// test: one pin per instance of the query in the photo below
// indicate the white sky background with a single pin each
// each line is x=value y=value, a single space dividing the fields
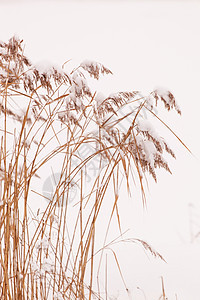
x=146 y=44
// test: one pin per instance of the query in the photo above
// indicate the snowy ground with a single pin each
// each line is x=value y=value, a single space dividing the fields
x=145 y=44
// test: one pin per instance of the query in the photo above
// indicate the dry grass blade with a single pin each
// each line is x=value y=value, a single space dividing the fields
x=48 y=245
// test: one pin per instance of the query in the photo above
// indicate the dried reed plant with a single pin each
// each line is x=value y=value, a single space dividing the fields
x=49 y=254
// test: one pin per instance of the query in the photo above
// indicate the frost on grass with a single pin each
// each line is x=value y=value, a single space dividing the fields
x=167 y=98
x=95 y=69
x=76 y=100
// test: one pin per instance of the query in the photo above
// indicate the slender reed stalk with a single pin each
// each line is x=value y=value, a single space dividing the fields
x=49 y=238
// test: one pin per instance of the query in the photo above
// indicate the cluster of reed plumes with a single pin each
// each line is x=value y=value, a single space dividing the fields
x=49 y=115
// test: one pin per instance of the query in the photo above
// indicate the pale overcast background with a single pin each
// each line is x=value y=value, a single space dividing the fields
x=146 y=44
